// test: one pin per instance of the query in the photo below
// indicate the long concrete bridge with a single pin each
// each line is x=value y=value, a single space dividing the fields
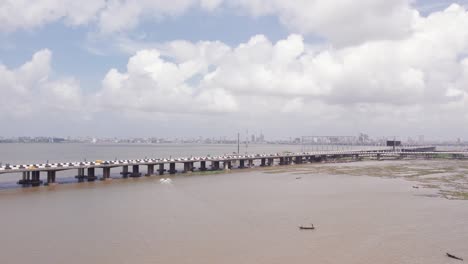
x=31 y=173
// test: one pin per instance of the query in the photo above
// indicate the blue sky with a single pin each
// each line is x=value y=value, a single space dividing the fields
x=81 y=52
x=71 y=45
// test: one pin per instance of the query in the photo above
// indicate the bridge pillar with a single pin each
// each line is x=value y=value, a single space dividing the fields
x=202 y=165
x=91 y=174
x=378 y=156
x=187 y=167
x=226 y=165
x=281 y=161
x=50 y=177
x=125 y=172
x=36 y=178
x=81 y=175
x=241 y=164
x=215 y=165
x=270 y=162
x=172 y=169
x=262 y=162
x=298 y=160
x=150 y=170
x=26 y=179
x=135 y=171
x=161 y=169
x=251 y=163
x=106 y=173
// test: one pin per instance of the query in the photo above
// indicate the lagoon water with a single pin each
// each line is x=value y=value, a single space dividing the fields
x=249 y=216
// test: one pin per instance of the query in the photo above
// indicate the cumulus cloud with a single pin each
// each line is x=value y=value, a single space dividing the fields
x=425 y=70
x=110 y=15
x=408 y=80
x=152 y=84
x=24 y=14
x=342 y=21
x=29 y=90
x=339 y=21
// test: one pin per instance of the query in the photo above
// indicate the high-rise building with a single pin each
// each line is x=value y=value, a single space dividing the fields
x=421 y=139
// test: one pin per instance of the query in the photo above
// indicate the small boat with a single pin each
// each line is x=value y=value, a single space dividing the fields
x=453 y=256
x=311 y=227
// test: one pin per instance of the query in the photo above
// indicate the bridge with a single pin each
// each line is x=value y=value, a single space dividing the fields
x=31 y=173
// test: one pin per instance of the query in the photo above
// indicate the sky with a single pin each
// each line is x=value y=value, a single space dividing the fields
x=190 y=68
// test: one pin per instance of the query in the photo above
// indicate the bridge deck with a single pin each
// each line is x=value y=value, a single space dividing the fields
x=120 y=163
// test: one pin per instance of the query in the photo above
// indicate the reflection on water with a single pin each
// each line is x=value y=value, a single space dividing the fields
x=221 y=219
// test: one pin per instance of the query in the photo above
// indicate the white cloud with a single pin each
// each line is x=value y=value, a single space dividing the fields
x=421 y=73
x=28 y=90
x=390 y=82
x=152 y=84
x=341 y=21
x=24 y=14
x=110 y=15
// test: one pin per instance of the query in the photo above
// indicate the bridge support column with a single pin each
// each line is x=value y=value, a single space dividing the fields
x=125 y=172
x=135 y=171
x=91 y=174
x=202 y=165
x=50 y=177
x=298 y=160
x=36 y=178
x=187 y=167
x=378 y=156
x=281 y=161
x=172 y=169
x=106 y=173
x=30 y=178
x=25 y=177
x=150 y=171
x=251 y=163
x=226 y=165
x=241 y=164
x=262 y=162
x=270 y=162
x=215 y=165
x=81 y=175
x=161 y=169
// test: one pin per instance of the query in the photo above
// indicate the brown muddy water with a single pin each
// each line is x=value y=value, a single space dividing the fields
x=246 y=217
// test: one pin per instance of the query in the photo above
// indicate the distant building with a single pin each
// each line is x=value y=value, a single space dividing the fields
x=261 y=138
x=393 y=143
x=421 y=139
